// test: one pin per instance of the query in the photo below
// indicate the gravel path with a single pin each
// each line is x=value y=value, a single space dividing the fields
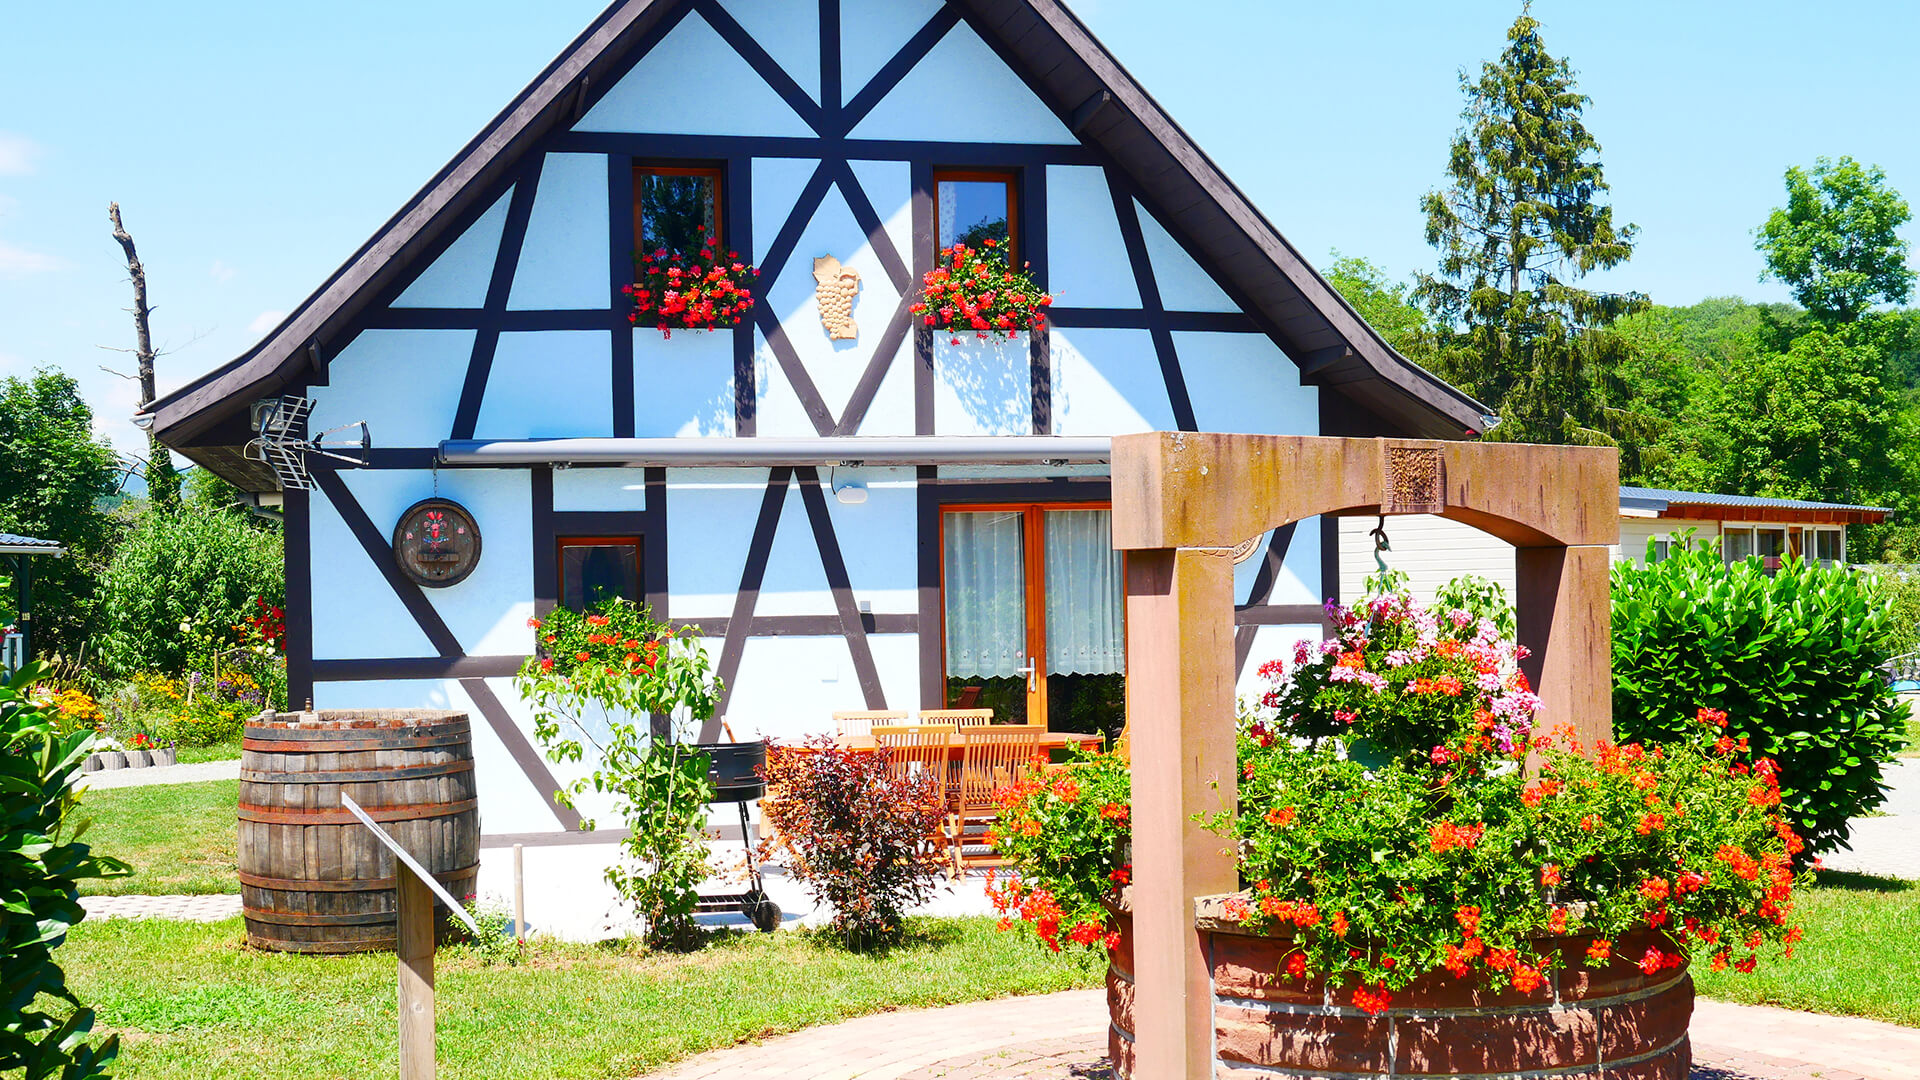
x=161 y=774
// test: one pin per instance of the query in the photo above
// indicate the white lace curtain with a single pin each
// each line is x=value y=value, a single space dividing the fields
x=986 y=591
x=986 y=624
x=1086 y=608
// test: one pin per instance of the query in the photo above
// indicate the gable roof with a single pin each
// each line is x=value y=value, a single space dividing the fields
x=1667 y=503
x=1045 y=44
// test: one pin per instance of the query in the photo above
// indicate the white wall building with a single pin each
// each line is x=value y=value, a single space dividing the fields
x=1432 y=551
x=730 y=479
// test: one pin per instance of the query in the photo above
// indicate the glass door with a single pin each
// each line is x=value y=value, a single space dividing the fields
x=1034 y=615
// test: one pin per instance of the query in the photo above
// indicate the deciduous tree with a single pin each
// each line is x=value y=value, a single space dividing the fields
x=53 y=472
x=1836 y=243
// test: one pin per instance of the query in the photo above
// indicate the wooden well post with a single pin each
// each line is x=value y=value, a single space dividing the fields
x=414 y=942
x=1181 y=502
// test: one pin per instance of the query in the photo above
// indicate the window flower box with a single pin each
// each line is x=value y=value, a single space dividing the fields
x=707 y=289
x=975 y=291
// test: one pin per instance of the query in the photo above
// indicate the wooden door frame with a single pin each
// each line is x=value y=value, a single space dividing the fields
x=1033 y=557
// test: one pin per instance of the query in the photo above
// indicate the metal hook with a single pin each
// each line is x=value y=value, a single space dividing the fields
x=1380 y=544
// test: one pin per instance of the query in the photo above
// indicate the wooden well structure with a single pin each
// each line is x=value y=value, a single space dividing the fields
x=1181 y=502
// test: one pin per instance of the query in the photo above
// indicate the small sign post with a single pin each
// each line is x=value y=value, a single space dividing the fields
x=415 y=890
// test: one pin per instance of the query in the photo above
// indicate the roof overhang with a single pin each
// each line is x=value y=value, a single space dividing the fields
x=1334 y=348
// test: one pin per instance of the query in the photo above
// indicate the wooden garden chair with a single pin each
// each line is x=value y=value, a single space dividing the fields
x=962 y=718
x=990 y=759
x=922 y=750
x=861 y=723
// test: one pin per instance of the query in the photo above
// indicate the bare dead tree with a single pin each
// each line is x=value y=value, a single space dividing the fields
x=163 y=483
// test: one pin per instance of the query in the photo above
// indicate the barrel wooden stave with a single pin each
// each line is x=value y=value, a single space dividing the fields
x=312 y=878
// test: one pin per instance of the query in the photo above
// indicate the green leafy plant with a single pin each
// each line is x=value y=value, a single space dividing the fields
x=597 y=680
x=1791 y=656
x=1068 y=830
x=499 y=942
x=855 y=834
x=202 y=568
x=1440 y=835
x=42 y=863
x=1475 y=865
x=1480 y=598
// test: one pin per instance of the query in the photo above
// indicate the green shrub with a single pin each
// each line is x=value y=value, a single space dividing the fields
x=1791 y=658
x=41 y=866
x=194 y=567
x=1899 y=586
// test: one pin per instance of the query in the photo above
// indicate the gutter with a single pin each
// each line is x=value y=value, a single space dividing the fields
x=833 y=450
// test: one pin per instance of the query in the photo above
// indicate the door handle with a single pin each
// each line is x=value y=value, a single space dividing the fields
x=1029 y=671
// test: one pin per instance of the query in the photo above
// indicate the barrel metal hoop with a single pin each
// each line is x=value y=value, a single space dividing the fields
x=260 y=881
x=301 y=918
x=358 y=776
x=346 y=746
x=335 y=816
x=376 y=943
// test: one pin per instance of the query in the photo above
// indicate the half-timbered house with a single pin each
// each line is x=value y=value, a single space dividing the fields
x=874 y=520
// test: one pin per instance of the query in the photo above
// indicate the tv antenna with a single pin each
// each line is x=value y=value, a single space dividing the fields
x=281 y=443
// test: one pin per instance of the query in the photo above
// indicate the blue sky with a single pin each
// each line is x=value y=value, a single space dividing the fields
x=252 y=146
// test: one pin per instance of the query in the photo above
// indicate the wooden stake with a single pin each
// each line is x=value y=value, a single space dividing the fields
x=519 y=893
x=413 y=940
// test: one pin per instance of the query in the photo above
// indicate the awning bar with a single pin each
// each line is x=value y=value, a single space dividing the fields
x=830 y=450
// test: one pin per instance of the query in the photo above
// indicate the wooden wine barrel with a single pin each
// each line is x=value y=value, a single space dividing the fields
x=313 y=879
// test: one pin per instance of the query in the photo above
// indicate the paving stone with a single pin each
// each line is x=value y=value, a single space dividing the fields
x=186 y=908
x=1063 y=1037
x=161 y=774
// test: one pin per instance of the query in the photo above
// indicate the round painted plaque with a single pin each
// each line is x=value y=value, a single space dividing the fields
x=436 y=543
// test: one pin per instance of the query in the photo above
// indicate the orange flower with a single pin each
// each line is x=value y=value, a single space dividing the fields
x=1280 y=816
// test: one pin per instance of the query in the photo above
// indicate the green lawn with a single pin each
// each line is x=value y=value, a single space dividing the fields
x=1913 y=737
x=226 y=751
x=190 y=1001
x=1859 y=957
x=179 y=838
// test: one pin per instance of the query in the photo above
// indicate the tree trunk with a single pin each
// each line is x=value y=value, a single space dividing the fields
x=163 y=483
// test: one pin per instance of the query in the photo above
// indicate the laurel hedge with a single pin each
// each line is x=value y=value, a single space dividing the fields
x=1791 y=655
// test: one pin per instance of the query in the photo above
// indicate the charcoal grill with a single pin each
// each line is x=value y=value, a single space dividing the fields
x=735 y=772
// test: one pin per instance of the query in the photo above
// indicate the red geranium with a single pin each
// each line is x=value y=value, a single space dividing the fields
x=702 y=290
x=975 y=290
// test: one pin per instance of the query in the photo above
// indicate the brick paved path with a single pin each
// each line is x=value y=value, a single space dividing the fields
x=190 y=908
x=1063 y=1037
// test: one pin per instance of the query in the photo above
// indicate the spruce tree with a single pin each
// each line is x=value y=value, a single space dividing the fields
x=1519 y=222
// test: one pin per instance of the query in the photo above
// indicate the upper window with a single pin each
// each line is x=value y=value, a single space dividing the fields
x=595 y=568
x=971 y=206
x=675 y=207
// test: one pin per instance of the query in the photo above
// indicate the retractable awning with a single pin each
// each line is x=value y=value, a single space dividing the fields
x=839 y=450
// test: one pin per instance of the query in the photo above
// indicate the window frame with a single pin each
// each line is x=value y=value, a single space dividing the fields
x=562 y=542
x=1034 y=576
x=715 y=171
x=975 y=174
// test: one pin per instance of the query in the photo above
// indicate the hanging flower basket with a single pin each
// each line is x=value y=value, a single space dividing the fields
x=706 y=289
x=974 y=290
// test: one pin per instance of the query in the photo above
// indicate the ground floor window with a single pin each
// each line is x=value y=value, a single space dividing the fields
x=1034 y=615
x=594 y=568
x=1828 y=545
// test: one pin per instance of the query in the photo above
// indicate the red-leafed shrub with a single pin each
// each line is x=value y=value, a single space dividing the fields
x=699 y=290
x=974 y=290
x=854 y=834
